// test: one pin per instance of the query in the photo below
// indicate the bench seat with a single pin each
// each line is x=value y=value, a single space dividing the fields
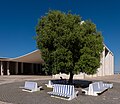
x=59 y=94
x=96 y=88
x=50 y=84
x=66 y=92
x=31 y=87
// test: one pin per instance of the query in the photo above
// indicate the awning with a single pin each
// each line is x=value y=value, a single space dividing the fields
x=32 y=57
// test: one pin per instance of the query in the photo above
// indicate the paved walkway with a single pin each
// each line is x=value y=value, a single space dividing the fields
x=19 y=78
x=110 y=78
x=11 y=94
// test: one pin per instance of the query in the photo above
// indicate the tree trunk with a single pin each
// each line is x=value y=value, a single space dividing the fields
x=70 y=81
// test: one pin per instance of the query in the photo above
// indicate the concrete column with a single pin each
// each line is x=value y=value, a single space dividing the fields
x=2 y=68
x=109 y=69
x=107 y=64
x=8 y=70
x=103 y=63
x=22 y=67
x=112 y=64
x=16 y=69
x=99 y=70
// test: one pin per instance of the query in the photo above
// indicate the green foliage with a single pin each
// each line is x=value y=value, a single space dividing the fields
x=68 y=46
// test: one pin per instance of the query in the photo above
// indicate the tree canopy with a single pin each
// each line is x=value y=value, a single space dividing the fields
x=68 y=44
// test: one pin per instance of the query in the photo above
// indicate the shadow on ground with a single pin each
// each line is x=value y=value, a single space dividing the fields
x=76 y=83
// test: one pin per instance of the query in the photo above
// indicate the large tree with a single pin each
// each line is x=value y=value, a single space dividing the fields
x=68 y=44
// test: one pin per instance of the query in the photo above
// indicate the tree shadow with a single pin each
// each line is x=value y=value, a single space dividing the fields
x=76 y=83
x=81 y=83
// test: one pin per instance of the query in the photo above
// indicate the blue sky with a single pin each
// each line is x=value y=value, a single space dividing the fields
x=18 y=19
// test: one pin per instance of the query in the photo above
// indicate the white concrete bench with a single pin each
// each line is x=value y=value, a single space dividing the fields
x=50 y=84
x=66 y=92
x=31 y=87
x=108 y=85
x=96 y=88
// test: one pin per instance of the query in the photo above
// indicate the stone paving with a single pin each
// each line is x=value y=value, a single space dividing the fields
x=10 y=93
x=111 y=78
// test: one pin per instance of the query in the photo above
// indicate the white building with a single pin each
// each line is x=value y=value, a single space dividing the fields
x=106 y=68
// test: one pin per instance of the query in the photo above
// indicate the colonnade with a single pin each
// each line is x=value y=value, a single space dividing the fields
x=5 y=70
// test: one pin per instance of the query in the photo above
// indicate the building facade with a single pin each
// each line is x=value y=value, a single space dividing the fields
x=29 y=64
x=106 y=67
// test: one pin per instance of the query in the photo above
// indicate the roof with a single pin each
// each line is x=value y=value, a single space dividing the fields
x=32 y=57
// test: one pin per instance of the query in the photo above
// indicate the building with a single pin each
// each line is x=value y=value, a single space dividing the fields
x=27 y=64
x=30 y=64
x=106 y=68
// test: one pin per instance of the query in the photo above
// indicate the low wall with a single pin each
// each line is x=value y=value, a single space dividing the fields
x=76 y=76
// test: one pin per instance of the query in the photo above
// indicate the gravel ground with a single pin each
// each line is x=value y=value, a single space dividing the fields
x=12 y=94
